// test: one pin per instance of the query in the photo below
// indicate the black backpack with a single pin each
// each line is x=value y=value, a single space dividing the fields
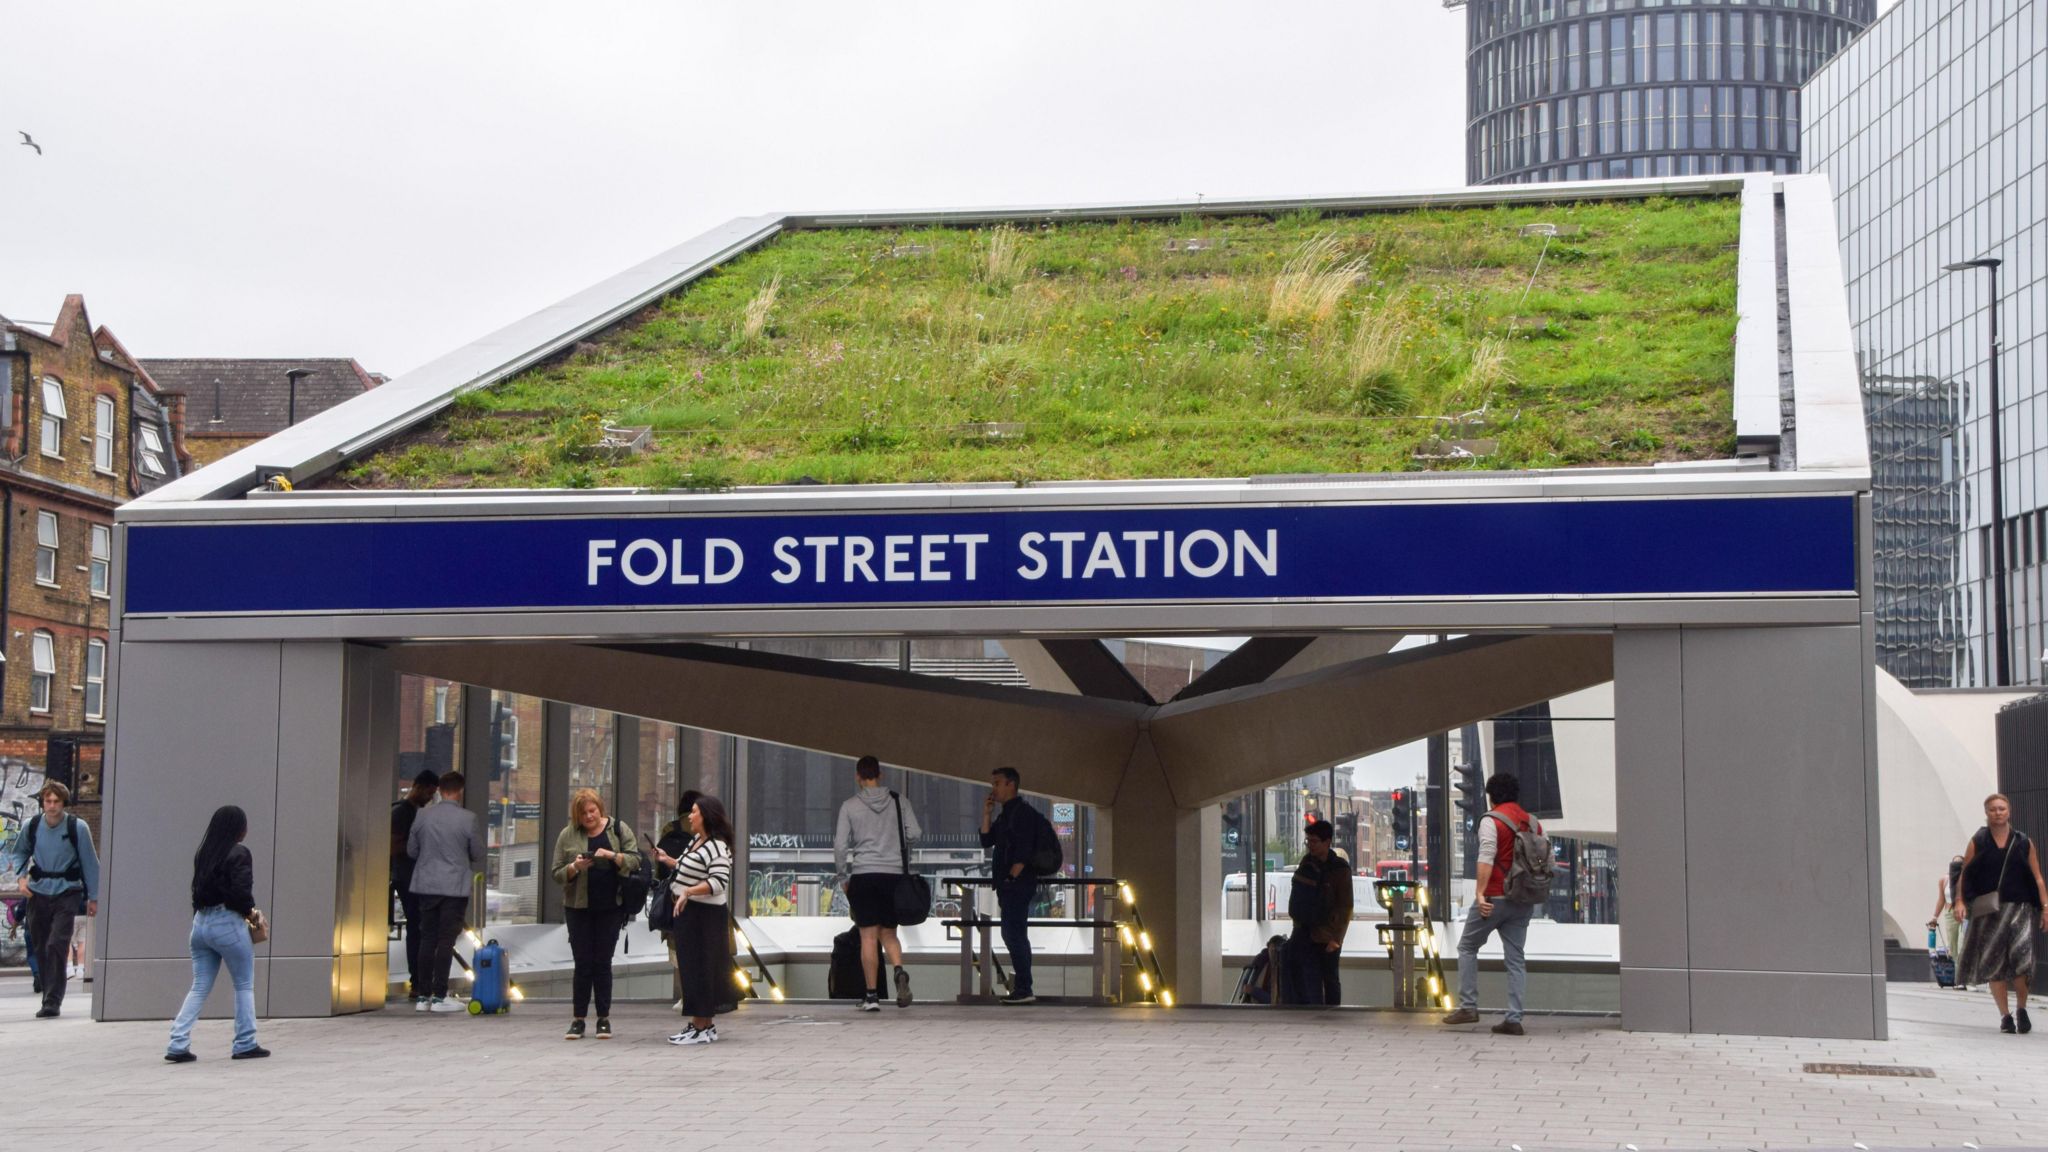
x=635 y=886
x=1046 y=857
x=76 y=871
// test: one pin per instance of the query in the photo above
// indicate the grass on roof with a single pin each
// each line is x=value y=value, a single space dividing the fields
x=1199 y=347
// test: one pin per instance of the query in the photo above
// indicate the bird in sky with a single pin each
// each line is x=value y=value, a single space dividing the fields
x=31 y=142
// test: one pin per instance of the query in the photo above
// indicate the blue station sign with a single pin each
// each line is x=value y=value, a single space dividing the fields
x=1788 y=545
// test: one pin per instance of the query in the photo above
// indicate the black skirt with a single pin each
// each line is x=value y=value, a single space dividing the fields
x=704 y=953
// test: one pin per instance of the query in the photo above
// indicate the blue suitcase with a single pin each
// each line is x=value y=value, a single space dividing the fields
x=490 y=988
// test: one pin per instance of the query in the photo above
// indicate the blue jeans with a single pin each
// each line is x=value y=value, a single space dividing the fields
x=1511 y=920
x=219 y=936
x=1013 y=899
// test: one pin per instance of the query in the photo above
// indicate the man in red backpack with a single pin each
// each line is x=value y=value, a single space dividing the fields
x=1500 y=906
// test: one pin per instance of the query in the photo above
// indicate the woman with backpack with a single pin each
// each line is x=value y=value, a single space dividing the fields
x=594 y=858
x=224 y=918
x=703 y=938
x=673 y=842
x=2001 y=897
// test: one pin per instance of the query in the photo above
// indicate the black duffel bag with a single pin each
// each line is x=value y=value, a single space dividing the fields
x=912 y=894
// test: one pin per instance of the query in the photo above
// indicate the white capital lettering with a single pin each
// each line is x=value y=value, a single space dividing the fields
x=676 y=574
x=858 y=550
x=713 y=574
x=1140 y=539
x=819 y=545
x=930 y=556
x=786 y=556
x=1268 y=561
x=1067 y=541
x=1187 y=553
x=973 y=541
x=636 y=548
x=1103 y=555
x=896 y=559
x=1028 y=544
x=599 y=557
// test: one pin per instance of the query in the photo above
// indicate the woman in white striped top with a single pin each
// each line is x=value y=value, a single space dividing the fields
x=703 y=944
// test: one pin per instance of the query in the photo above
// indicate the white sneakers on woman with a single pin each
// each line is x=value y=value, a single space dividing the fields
x=691 y=1034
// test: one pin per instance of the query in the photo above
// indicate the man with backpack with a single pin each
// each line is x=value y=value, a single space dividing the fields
x=1515 y=871
x=1025 y=849
x=59 y=874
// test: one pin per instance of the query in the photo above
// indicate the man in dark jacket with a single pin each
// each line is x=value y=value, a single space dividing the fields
x=424 y=786
x=1320 y=906
x=1009 y=827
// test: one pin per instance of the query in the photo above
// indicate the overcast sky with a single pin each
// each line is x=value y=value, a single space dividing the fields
x=389 y=181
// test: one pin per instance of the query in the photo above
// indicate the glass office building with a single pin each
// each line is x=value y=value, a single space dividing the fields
x=1933 y=127
x=1601 y=89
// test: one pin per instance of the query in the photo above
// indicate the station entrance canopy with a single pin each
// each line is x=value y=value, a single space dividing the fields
x=260 y=635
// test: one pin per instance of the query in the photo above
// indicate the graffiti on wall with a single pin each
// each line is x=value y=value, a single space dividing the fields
x=19 y=783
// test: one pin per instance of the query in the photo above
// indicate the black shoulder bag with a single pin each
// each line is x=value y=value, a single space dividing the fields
x=913 y=893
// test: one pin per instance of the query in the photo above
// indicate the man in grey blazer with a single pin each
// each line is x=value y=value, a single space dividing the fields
x=447 y=849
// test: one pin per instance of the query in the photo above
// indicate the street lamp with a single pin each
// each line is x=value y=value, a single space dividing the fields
x=291 y=410
x=1990 y=264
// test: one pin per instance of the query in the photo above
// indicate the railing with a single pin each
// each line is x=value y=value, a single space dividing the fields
x=1108 y=937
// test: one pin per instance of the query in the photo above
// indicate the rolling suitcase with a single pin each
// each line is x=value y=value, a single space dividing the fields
x=490 y=986
x=1943 y=964
x=845 y=980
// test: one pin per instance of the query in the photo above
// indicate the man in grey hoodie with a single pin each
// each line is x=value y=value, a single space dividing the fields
x=868 y=854
x=447 y=848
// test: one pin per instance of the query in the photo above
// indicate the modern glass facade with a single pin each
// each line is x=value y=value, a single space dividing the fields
x=1601 y=89
x=1933 y=127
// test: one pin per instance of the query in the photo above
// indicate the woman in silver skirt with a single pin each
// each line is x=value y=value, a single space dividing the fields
x=2001 y=894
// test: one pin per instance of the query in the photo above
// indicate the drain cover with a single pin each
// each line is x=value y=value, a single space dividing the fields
x=1905 y=1070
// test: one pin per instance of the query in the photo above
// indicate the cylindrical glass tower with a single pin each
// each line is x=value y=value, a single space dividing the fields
x=1599 y=89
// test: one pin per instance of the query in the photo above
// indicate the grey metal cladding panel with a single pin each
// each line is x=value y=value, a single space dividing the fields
x=198 y=730
x=1777 y=833
x=370 y=750
x=155 y=989
x=1649 y=794
x=1815 y=1004
x=1655 y=999
x=390 y=408
x=309 y=739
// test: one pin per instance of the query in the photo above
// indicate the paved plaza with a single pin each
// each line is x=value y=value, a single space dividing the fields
x=942 y=1076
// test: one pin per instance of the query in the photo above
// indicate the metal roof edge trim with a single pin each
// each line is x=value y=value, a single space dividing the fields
x=334 y=436
x=1827 y=382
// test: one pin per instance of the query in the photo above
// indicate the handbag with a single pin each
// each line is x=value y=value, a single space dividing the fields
x=259 y=926
x=913 y=893
x=1989 y=903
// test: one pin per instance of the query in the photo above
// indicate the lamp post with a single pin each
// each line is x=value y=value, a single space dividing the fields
x=291 y=409
x=2003 y=656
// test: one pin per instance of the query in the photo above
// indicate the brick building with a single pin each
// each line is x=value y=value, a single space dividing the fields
x=83 y=429
x=235 y=403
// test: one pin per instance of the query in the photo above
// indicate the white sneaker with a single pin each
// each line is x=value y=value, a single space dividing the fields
x=421 y=1004
x=75 y=971
x=676 y=1007
x=695 y=1036
x=449 y=1004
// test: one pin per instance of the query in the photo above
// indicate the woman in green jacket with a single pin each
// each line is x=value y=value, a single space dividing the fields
x=593 y=856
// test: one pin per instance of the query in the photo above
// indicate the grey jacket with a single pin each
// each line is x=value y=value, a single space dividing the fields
x=866 y=839
x=447 y=848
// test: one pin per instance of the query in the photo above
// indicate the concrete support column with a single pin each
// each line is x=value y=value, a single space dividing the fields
x=1169 y=856
x=1745 y=801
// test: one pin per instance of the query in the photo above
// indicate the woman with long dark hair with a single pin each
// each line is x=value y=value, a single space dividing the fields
x=674 y=840
x=703 y=942
x=223 y=907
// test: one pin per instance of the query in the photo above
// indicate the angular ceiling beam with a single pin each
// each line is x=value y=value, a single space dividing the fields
x=1068 y=746
x=1226 y=743
x=1267 y=658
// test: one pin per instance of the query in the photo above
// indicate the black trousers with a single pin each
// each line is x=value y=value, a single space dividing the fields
x=593 y=933
x=415 y=975
x=441 y=920
x=1311 y=975
x=1013 y=902
x=51 y=920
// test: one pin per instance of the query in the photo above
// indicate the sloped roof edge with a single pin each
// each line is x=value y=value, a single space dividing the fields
x=316 y=446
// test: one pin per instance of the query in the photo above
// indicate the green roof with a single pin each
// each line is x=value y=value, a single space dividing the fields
x=1205 y=346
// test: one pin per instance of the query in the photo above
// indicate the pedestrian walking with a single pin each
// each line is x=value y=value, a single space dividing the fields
x=593 y=856
x=2001 y=896
x=1514 y=877
x=1319 y=904
x=869 y=847
x=224 y=918
x=703 y=936
x=447 y=849
x=1947 y=925
x=424 y=787
x=1009 y=829
x=673 y=841
x=60 y=873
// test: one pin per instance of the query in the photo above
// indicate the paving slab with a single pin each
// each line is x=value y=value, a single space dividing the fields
x=1048 y=1079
